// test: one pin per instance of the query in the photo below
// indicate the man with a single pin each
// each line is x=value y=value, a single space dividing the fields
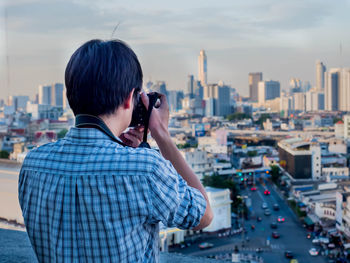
x=86 y=198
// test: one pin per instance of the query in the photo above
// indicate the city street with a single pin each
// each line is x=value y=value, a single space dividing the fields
x=292 y=234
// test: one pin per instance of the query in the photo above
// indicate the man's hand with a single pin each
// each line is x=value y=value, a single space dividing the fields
x=159 y=120
x=133 y=137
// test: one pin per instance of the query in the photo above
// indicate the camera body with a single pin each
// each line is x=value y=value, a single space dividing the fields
x=140 y=114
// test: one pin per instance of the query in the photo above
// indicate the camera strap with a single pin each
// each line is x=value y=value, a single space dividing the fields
x=87 y=120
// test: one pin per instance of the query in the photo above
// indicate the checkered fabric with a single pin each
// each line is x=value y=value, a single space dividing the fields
x=86 y=198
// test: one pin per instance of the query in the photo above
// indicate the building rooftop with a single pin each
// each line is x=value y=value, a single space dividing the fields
x=15 y=247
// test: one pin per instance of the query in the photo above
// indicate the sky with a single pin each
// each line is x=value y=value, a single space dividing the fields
x=282 y=39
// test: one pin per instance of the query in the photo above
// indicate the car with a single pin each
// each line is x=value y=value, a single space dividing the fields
x=280 y=219
x=259 y=250
x=313 y=251
x=267 y=192
x=275 y=234
x=276 y=207
x=315 y=241
x=252 y=226
x=253 y=188
x=258 y=219
x=288 y=254
x=308 y=236
x=273 y=225
x=264 y=205
x=205 y=245
x=267 y=212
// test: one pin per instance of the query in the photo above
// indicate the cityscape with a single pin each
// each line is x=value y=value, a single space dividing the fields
x=275 y=164
x=272 y=151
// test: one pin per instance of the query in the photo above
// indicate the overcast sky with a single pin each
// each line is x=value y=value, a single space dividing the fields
x=283 y=39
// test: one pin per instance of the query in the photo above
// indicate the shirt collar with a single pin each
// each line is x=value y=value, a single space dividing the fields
x=87 y=135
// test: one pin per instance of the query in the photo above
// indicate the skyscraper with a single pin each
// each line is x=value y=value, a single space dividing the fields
x=332 y=87
x=45 y=95
x=190 y=86
x=268 y=90
x=57 y=94
x=344 y=90
x=320 y=70
x=202 y=67
x=254 y=79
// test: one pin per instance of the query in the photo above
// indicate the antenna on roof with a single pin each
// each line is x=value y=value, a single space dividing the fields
x=115 y=29
x=7 y=56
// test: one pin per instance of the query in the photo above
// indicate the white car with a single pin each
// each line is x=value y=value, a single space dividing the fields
x=313 y=251
x=315 y=241
x=264 y=205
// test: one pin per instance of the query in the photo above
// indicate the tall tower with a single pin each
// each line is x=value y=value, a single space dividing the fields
x=254 y=79
x=320 y=70
x=332 y=88
x=202 y=67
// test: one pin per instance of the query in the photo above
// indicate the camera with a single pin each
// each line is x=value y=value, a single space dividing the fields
x=140 y=115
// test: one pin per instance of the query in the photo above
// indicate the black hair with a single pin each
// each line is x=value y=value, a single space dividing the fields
x=100 y=75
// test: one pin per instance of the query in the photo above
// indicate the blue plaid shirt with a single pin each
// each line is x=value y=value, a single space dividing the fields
x=86 y=198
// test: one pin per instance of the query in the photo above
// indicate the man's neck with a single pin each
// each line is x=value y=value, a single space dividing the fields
x=114 y=123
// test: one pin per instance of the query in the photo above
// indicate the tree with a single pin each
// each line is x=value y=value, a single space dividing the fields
x=238 y=116
x=275 y=173
x=263 y=117
x=4 y=154
x=62 y=133
x=252 y=153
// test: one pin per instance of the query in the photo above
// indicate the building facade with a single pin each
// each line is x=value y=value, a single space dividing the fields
x=254 y=79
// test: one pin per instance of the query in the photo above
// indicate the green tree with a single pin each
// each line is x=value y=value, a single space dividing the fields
x=252 y=153
x=4 y=154
x=238 y=116
x=62 y=133
x=275 y=173
x=263 y=117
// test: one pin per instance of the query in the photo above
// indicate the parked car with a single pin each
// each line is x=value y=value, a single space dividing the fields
x=276 y=207
x=275 y=234
x=273 y=225
x=288 y=254
x=315 y=241
x=205 y=245
x=313 y=251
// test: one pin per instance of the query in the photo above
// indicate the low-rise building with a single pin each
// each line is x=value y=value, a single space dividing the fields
x=220 y=203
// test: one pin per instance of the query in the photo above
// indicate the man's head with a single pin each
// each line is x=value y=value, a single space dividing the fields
x=100 y=77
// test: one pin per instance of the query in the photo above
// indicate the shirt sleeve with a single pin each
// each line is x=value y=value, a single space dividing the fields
x=174 y=203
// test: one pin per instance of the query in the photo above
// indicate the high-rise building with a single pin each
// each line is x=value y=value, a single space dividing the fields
x=347 y=126
x=320 y=76
x=159 y=86
x=57 y=94
x=254 y=79
x=332 y=87
x=51 y=94
x=19 y=102
x=190 y=86
x=202 y=67
x=198 y=89
x=298 y=101
x=45 y=95
x=314 y=100
x=344 y=90
x=268 y=90
x=295 y=85
x=217 y=99
x=175 y=97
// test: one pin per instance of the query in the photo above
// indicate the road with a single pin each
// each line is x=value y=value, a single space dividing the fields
x=293 y=235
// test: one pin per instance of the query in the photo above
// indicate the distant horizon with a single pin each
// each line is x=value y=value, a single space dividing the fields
x=283 y=40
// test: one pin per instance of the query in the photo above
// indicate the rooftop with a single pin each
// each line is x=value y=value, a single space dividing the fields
x=15 y=247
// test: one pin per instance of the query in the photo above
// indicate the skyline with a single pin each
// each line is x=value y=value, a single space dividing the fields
x=284 y=41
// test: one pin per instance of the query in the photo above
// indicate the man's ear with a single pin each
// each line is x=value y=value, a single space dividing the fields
x=129 y=100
